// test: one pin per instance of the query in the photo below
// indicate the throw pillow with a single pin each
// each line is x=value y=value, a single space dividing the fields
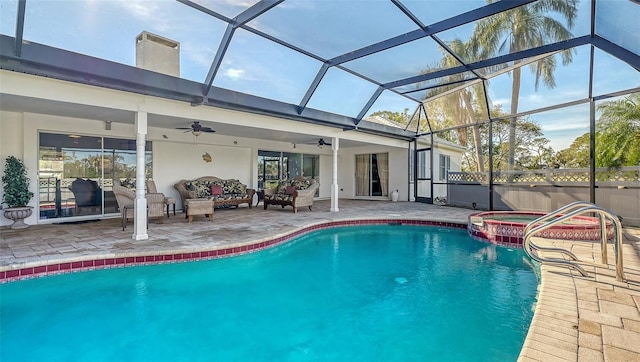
x=202 y=188
x=290 y=190
x=282 y=187
x=128 y=183
x=302 y=184
x=216 y=190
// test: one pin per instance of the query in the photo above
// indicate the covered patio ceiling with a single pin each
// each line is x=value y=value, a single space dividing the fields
x=332 y=63
x=14 y=103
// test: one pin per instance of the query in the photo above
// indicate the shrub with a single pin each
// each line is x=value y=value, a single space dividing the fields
x=16 y=183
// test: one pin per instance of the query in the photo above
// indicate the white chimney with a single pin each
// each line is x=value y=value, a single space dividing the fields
x=158 y=54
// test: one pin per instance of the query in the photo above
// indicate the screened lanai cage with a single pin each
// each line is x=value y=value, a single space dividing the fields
x=540 y=98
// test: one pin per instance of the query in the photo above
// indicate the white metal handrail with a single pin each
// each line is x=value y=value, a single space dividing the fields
x=552 y=215
x=531 y=230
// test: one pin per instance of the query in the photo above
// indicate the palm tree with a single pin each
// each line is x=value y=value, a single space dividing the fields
x=618 y=133
x=461 y=108
x=526 y=27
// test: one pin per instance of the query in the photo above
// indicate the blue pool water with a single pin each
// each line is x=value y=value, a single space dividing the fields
x=375 y=293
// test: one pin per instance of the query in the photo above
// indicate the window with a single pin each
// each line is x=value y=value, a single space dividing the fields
x=422 y=165
x=445 y=166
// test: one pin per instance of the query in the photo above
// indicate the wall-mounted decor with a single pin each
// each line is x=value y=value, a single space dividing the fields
x=206 y=157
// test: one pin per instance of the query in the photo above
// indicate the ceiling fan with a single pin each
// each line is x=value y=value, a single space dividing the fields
x=322 y=143
x=196 y=128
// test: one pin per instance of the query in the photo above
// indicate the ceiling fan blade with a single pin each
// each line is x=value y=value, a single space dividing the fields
x=207 y=129
x=183 y=128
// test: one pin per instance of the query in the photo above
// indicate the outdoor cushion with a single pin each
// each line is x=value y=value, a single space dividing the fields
x=128 y=183
x=201 y=188
x=234 y=187
x=301 y=184
x=228 y=197
x=279 y=197
x=290 y=190
x=282 y=187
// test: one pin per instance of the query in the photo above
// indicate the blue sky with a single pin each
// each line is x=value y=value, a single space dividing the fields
x=108 y=28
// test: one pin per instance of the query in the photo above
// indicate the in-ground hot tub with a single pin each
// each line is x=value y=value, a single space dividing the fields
x=507 y=227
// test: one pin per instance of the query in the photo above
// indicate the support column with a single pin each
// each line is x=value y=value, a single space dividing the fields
x=140 y=206
x=254 y=174
x=334 y=184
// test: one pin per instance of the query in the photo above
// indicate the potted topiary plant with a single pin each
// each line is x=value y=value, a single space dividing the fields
x=16 y=192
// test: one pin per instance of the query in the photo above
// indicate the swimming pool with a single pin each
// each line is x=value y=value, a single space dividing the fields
x=384 y=292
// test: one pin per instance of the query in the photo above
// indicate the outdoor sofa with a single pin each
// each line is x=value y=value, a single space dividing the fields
x=224 y=193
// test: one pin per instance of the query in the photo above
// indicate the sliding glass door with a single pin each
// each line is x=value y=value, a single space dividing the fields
x=372 y=174
x=274 y=166
x=269 y=169
x=76 y=173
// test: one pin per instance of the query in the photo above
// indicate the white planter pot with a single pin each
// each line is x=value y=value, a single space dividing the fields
x=18 y=214
x=394 y=195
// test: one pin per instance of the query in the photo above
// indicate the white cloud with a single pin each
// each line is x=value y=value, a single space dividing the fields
x=143 y=10
x=505 y=102
x=234 y=74
x=566 y=125
x=563 y=126
x=155 y=14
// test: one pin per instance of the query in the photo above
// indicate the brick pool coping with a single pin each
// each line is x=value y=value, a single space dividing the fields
x=74 y=264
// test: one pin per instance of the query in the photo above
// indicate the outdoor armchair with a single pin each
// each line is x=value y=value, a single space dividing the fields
x=297 y=192
x=87 y=194
x=152 y=189
x=126 y=200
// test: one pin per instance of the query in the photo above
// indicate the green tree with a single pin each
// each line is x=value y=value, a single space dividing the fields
x=617 y=138
x=525 y=27
x=618 y=133
x=538 y=155
x=398 y=117
x=576 y=156
x=532 y=150
x=530 y=146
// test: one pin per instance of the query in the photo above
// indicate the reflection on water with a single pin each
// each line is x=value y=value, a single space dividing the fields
x=487 y=253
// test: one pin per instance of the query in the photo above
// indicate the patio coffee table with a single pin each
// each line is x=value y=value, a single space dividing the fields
x=198 y=207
